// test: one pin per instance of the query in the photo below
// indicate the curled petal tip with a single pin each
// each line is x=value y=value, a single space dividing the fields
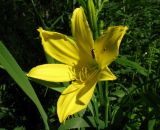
x=39 y=29
x=126 y=28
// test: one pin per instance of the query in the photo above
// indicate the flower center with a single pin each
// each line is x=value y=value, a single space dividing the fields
x=82 y=72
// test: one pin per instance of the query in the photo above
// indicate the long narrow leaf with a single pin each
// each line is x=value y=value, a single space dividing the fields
x=1 y=66
x=11 y=66
x=127 y=63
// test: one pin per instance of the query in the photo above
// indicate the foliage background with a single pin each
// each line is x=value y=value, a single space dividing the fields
x=136 y=96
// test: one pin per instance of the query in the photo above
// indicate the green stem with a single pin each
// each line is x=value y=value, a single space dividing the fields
x=101 y=93
x=95 y=105
x=92 y=18
x=106 y=104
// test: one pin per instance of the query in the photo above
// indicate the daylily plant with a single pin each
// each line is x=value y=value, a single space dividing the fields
x=84 y=62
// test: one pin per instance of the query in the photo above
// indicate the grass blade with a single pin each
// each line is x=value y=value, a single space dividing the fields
x=11 y=66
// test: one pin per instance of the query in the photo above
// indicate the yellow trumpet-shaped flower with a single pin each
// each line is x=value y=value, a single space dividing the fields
x=84 y=62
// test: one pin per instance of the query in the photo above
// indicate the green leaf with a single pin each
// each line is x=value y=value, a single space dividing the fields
x=101 y=124
x=77 y=122
x=127 y=63
x=118 y=93
x=1 y=67
x=114 y=112
x=13 y=69
x=59 y=87
x=151 y=124
x=92 y=17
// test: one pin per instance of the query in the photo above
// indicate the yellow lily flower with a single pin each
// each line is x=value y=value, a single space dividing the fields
x=84 y=62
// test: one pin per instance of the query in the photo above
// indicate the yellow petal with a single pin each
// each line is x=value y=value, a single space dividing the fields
x=106 y=74
x=76 y=97
x=52 y=73
x=67 y=104
x=107 y=46
x=82 y=34
x=85 y=93
x=59 y=46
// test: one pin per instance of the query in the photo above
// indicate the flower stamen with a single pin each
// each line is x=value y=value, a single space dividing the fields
x=81 y=73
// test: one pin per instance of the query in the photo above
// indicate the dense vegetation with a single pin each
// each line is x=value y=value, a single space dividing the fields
x=134 y=98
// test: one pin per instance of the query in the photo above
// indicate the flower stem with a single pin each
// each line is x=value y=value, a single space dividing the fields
x=106 y=104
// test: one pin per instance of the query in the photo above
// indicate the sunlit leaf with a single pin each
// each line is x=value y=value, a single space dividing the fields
x=13 y=69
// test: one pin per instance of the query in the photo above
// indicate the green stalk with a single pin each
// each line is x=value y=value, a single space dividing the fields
x=95 y=105
x=106 y=104
x=92 y=18
x=101 y=93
